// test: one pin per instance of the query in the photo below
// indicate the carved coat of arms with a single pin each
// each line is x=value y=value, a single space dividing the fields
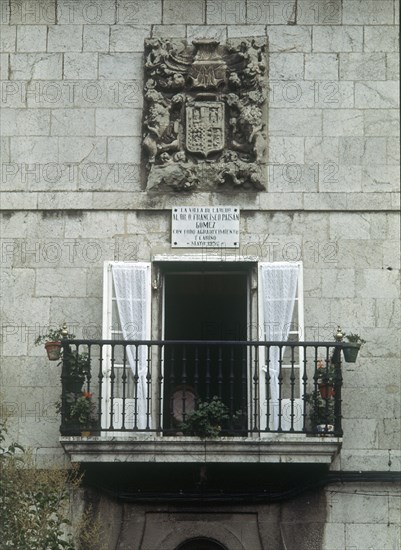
x=204 y=114
x=205 y=127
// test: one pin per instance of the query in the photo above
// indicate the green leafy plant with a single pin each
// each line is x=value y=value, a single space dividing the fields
x=321 y=411
x=54 y=335
x=207 y=419
x=82 y=410
x=351 y=351
x=354 y=338
x=78 y=364
x=35 y=504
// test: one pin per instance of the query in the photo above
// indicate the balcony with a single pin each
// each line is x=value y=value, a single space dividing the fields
x=281 y=401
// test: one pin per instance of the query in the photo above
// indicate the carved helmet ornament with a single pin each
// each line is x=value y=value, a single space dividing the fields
x=204 y=114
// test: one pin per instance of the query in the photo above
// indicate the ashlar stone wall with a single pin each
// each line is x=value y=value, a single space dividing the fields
x=72 y=194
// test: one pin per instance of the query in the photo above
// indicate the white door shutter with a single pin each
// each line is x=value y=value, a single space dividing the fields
x=127 y=317
x=279 y=299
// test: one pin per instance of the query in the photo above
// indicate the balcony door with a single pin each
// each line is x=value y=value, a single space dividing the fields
x=210 y=307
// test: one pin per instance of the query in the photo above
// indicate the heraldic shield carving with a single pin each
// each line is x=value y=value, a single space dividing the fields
x=204 y=115
x=205 y=127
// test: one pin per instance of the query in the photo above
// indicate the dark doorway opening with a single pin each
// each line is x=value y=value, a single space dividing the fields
x=201 y=544
x=208 y=307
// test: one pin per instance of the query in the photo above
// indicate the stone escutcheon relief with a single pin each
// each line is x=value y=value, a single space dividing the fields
x=204 y=123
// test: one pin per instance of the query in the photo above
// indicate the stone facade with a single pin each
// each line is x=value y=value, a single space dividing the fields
x=73 y=197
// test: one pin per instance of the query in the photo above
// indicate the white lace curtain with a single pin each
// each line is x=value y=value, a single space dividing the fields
x=279 y=289
x=130 y=285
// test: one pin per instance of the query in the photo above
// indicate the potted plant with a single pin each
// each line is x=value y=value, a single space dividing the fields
x=321 y=412
x=52 y=341
x=326 y=376
x=352 y=349
x=207 y=419
x=82 y=412
x=77 y=368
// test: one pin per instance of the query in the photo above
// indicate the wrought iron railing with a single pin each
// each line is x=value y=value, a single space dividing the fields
x=125 y=387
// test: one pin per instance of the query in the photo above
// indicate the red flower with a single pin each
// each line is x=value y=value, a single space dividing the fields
x=87 y=394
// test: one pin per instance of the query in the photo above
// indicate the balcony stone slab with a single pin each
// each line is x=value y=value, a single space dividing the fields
x=272 y=448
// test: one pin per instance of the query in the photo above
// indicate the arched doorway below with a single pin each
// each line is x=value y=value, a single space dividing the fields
x=201 y=543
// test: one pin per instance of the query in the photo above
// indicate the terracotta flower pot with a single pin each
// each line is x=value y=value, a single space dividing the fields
x=326 y=390
x=53 y=350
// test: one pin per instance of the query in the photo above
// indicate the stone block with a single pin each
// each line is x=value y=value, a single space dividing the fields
x=26 y=12
x=193 y=13
x=321 y=13
x=381 y=122
x=381 y=39
x=127 y=38
x=286 y=66
x=97 y=12
x=73 y=122
x=377 y=283
x=68 y=282
x=346 y=179
x=307 y=94
x=28 y=66
x=96 y=38
x=333 y=537
x=228 y=12
x=322 y=151
x=286 y=149
x=80 y=66
x=78 y=93
x=22 y=225
x=321 y=66
x=360 y=253
x=31 y=38
x=132 y=12
x=291 y=177
x=238 y=31
x=24 y=122
x=79 y=149
x=337 y=39
x=4 y=66
x=65 y=38
x=94 y=225
x=118 y=122
x=124 y=150
x=388 y=407
x=358 y=150
x=360 y=433
x=349 y=226
x=367 y=12
x=121 y=66
x=393 y=66
x=384 y=178
x=353 y=312
x=8 y=38
x=168 y=31
x=357 y=507
x=312 y=283
x=370 y=535
x=4 y=12
x=389 y=433
x=4 y=151
x=338 y=283
x=362 y=66
x=34 y=150
x=343 y=122
x=218 y=32
x=393 y=151
x=271 y=13
x=289 y=39
x=391 y=255
x=302 y=122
